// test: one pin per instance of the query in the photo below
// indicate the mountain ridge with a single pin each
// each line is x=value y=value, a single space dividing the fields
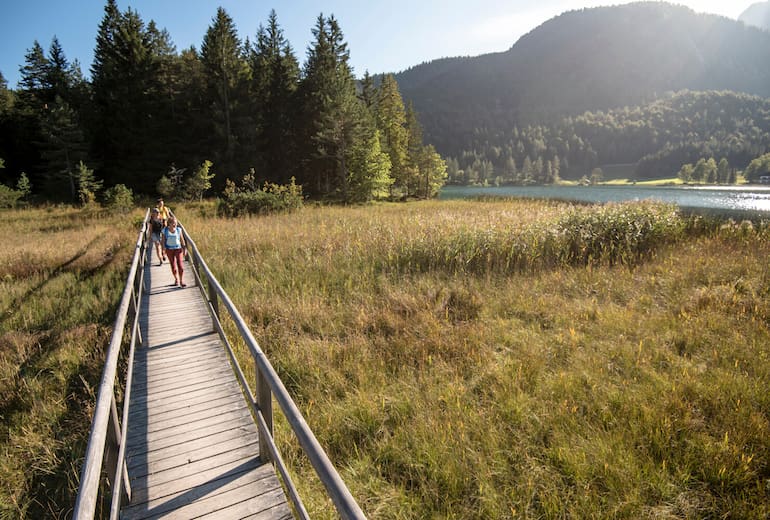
x=757 y=14
x=587 y=60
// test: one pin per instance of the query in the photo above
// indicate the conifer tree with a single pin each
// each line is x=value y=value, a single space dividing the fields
x=275 y=73
x=49 y=122
x=368 y=94
x=223 y=60
x=369 y=174
x=391 y=121
x=34 y=88
x=330 y=114
x=125 y=77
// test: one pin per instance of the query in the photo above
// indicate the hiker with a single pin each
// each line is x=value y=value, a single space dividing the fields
x=164 y=211
x=156 y=228
x=174 y=244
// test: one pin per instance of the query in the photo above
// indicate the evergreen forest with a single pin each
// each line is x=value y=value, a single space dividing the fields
x=232 y=109
x=644 y=142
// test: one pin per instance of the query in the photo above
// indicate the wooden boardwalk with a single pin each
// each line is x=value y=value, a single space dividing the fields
x=192 y=449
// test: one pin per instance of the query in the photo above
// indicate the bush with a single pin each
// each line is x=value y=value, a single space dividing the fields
x=610 y=234
x=119 y=198
x=8 y=197
x=248 y=200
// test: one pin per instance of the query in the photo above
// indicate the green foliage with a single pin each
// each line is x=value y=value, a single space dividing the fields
x=251 y=200
x=9 y=197
x=119 y=198
x=686 y=173
x=172 y=185
x=758 y=167
x=165 y=187
x=200 y=181
x=609 y=234
x=23 y=185
x=87 y=184
x=369 y=176
x=240 y=104
x=391 y=121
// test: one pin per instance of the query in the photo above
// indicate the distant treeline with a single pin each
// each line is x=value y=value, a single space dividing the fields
x=246 y=106
x=658 y=138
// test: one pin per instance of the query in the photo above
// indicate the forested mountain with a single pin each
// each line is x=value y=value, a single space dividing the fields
x=587 y=60
x=758 y=15
x=649 y=141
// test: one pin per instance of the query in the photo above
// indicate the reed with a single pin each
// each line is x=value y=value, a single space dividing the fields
x=465 y=359
x=61 y=274
x=515 y=359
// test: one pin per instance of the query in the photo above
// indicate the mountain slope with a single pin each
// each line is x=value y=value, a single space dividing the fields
x=757 y=15
x=590 y=59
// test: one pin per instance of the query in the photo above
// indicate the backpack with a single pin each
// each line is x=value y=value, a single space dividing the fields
x=157 y=225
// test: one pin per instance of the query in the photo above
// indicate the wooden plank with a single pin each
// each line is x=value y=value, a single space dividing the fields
x=192 y=448
x=241 y=423
x=178 y=454
x=214 y=496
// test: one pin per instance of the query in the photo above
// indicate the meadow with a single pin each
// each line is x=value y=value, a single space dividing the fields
x=516 y=359
x=456 y=359
x=62 y=271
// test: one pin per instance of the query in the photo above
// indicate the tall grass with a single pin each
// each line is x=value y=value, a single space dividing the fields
x=617 y=369
x=515 y=359
x=61 y=274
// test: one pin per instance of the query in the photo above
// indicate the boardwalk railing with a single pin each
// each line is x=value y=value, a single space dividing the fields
x=108 y=434
x=107 y=438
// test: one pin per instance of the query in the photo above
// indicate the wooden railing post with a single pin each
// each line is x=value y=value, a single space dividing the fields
x=265 y=406
x=114 y=466
x=214 y=298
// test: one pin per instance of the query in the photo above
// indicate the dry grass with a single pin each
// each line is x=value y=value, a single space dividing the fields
x=61 y=273
x=574 y=388
x=583 y=386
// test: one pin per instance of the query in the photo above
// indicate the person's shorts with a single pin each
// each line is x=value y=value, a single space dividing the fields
x=156 y=237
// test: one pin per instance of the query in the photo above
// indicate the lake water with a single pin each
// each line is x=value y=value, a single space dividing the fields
x=753 y=200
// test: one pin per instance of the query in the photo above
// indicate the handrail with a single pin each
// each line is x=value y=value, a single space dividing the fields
x=85 y=504
x=343 y=500
x=269 y=385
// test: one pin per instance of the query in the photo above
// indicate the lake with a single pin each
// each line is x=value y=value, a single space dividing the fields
x=740 y=200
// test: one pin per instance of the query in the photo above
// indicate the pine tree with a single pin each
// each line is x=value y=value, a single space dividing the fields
x=368 y=94
x=223 y=60
x=330 y=113
x=49 y=121
x=391 y=122
x=275 y=73
x=34 y=87
x=314 y=97
x=125 y=92
x=369 y=176
x=723 y=171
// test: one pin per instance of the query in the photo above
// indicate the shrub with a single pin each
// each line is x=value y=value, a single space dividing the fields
x=613 y=233
x=119 y=198
x=8 y=196
x=249 y=200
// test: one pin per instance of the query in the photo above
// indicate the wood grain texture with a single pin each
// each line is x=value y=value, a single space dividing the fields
x=193 y=448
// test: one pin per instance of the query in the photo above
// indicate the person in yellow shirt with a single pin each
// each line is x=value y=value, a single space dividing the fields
x=164 y=212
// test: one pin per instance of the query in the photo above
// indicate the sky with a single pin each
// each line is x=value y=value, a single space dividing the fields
x=382 y=36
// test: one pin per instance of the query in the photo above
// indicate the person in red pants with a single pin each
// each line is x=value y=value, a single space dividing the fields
x=175 y=246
